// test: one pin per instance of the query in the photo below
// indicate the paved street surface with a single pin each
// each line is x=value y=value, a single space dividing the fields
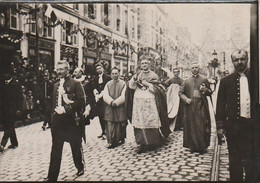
x=223 y=167
x=172 y=162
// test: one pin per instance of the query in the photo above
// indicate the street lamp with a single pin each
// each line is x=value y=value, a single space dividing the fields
x=214 y=62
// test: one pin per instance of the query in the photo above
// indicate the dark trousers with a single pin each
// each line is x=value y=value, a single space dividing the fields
x=100 y=113
x=47 y=112
x=102 y=124
x=9 y=132
x=59 y=136
x=240 y=147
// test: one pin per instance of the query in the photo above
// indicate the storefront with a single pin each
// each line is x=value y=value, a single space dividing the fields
x=9 y=44
x=46 y=52
x=106 y=59
x=70 y=54
x=121 y=62
x=90 y=57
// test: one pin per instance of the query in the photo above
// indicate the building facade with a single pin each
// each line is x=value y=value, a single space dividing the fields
x=82 y=34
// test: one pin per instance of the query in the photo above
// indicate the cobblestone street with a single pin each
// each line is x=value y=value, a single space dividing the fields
x=172 y=162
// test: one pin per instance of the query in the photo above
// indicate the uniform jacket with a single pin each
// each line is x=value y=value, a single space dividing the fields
x=11 y=99
x=228 y=103
x=75 y=93
x=46 y=93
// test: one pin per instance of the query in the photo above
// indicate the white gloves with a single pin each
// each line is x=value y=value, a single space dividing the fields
x=87 y=110
x=60 y=110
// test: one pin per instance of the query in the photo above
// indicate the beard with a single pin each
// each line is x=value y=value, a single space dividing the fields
x=240 y=67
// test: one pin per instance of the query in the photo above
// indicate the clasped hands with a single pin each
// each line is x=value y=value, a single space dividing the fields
x=113 y=104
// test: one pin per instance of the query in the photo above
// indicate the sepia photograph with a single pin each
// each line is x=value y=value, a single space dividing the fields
x=129 y=91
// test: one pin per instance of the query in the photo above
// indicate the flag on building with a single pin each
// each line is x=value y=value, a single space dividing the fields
x=50 y=13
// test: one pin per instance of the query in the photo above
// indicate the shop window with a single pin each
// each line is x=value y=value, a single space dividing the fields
x=91 y=11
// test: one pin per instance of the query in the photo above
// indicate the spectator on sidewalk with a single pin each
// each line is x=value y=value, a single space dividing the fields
x=98 y=86
x=46 y=99
x=237 y=118
x=197 y=125
x=149 y=109
x=11 y=101
x=36 y=92
x=25 y=105
x=114 y=109
x=68 y=104
x=30 y=102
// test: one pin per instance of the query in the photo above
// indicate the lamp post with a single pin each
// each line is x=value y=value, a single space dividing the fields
x=214 y=62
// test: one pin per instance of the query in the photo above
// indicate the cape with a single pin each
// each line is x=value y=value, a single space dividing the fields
x=160 y=100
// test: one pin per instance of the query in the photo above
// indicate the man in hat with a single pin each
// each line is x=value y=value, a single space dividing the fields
x=98 y=86
x=236 y=116
x=193 y=92
x=11 y=101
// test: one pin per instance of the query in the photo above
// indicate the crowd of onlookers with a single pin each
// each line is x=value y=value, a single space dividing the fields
x=25 y=73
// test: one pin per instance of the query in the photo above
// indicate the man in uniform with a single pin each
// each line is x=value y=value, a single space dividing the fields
x=46 y=98
x=11 y=100
x=235 y=116
x=68 y=103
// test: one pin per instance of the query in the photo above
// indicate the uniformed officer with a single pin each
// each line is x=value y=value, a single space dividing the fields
x=68 y=102
x=46 y=98
x=234 y=115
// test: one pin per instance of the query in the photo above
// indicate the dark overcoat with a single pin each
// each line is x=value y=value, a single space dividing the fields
x=74 y=111
x=11 y=99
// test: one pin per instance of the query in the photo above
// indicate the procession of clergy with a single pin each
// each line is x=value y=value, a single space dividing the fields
x=154 y=109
